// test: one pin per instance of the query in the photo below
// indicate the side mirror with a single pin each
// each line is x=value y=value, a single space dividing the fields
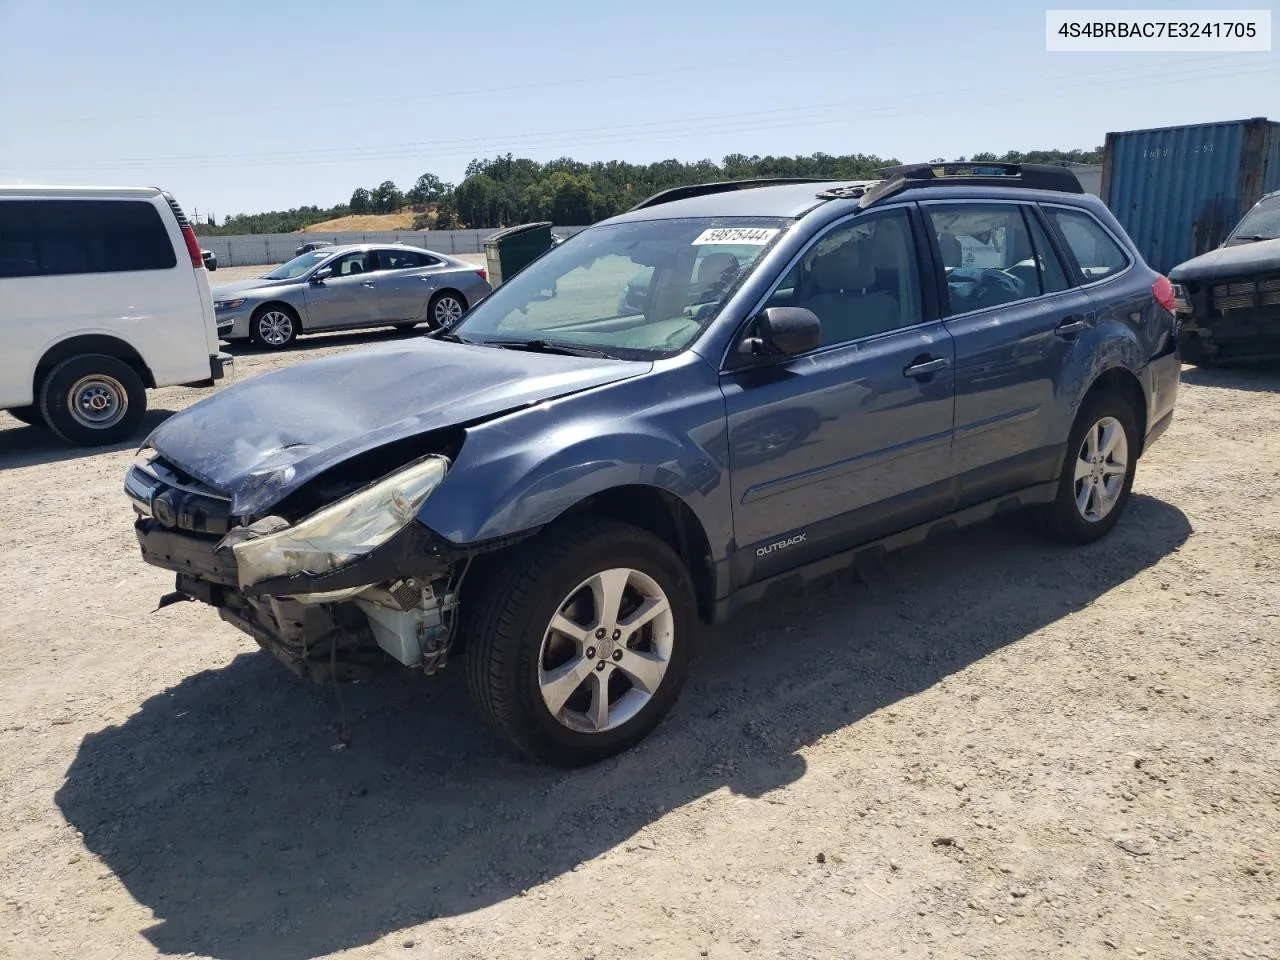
x=320 y=276
x=783 y=332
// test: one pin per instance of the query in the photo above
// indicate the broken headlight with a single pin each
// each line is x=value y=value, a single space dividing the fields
x=344 y=531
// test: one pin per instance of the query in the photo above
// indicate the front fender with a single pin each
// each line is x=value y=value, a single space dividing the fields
x=523 y=470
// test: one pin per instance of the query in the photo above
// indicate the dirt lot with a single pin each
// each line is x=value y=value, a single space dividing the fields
x=989 y=748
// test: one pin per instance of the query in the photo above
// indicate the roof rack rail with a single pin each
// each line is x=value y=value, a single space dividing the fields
x=725 y=186
x=1028 y=176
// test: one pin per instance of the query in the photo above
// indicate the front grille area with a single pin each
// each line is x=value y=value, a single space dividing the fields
x=1254 y=293
x=178 y=502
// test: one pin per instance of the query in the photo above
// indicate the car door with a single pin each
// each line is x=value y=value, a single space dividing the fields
x=1016 y=320
x=851 y=441
x=406 y=280
x=347 y=297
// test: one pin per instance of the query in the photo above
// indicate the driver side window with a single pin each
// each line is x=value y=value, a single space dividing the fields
x=352 y=264
x=989 y=256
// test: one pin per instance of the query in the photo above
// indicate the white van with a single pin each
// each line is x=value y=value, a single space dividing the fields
x=103 y=293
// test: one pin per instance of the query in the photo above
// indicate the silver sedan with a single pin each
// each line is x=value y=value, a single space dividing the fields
x=346 y=288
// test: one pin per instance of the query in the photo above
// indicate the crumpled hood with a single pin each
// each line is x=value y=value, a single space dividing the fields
x=262 y=439
x=1240 y=260
x=225 y=290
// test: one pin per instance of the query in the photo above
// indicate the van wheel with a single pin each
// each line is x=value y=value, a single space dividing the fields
x=274 y=326
x=1097 y=474
x=28 y=415
x=581 y=642
x=93 y=400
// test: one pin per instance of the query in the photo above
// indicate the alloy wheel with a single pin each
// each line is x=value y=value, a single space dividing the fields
x=606 y=650
x=275 y=327
x=1101 y=465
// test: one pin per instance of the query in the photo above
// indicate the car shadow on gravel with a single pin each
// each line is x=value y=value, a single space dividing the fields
x=223 y=806
x=1256 y=377
x=24 y=446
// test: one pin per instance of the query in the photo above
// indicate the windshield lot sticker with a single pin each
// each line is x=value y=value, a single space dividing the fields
x=747 y=235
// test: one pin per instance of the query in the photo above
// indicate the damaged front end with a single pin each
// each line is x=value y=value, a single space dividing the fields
x=337 y=581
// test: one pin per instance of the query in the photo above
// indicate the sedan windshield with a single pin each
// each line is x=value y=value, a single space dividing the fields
x=298 y=265
x=636 y=290
x=1260 y=223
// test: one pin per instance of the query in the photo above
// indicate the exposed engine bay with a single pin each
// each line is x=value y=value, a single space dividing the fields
x=398 y=603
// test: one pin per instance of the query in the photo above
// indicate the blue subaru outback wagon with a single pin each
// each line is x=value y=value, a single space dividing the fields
x=730 y=387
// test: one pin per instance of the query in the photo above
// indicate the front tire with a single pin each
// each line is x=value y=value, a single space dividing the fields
x=274 y=326
x=581 y=642
x=1097 y=474
x=93 y=400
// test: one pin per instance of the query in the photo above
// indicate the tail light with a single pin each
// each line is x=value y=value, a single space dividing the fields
x=1162 y=290
x=188 y=234
x=193 y=246
x=484 y=274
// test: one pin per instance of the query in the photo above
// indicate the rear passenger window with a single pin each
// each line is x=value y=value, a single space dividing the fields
x=60 y=237
x=1094 y=250
x=992 y=254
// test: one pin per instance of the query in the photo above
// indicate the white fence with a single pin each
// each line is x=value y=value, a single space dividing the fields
x=260 y=248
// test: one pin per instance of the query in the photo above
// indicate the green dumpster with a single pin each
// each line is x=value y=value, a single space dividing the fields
x=509 y=251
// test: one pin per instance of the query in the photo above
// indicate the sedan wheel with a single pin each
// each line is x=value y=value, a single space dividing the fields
x=275 y=328
x=446 y=308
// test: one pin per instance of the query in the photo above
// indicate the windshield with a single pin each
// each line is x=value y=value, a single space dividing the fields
x=630 y=290
x=1260 y=223
x=298 y=265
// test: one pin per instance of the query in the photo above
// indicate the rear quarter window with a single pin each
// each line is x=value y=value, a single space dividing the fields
x=64 y=237
x=1094 y=250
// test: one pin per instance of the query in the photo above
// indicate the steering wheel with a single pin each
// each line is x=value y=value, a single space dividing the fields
x=996 y=286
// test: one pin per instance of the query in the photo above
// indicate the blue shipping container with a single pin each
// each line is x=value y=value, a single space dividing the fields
x=1178 y=191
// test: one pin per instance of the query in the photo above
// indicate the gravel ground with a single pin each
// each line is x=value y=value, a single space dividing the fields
x=991 y=748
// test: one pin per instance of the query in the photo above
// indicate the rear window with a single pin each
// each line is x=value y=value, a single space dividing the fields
x=40 y=238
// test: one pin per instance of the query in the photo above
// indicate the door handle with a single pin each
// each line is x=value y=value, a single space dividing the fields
x=1070 y=326
x=925 y=367
x=367 y=283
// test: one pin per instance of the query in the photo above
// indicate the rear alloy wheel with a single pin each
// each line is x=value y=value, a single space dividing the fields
x=1097 y=476
x=274 y=327
x=581 y=642
x=93 y=400
x=445 y=308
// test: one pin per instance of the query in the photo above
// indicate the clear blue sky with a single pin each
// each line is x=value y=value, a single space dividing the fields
x=243 y=106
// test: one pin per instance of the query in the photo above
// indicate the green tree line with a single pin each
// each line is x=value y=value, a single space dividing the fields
x=507 y=190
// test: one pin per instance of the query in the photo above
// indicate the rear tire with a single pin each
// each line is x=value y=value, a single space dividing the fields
x=446 y=307
x=274 y=326
x=551 y=626
x=1097 y=472
x=28 y=415
x=93 y=400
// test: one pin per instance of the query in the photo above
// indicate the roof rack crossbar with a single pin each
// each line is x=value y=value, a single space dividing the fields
x=1027 y=176
x=725 y=186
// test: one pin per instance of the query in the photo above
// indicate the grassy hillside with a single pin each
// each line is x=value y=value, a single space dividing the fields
x=370 y=222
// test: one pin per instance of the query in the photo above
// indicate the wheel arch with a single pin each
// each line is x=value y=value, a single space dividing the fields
x=91 y=344
x=1122 y=382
